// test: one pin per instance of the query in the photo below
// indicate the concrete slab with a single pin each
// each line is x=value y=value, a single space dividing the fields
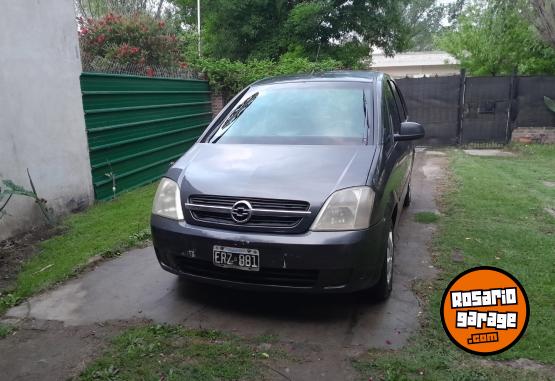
x=436 y=153
x=489 y=152
x=135 y=287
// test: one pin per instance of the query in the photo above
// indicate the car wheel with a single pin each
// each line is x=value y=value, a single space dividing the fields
x=408 y=199
x=382 y=289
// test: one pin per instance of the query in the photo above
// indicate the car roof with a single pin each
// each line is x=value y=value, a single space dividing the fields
x=329 y=76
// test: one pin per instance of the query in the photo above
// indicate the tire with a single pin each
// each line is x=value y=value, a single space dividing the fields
x=408 y=199
x=382 y=289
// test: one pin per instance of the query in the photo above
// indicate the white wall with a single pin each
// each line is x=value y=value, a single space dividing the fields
x=417 y=71
x=41 y=115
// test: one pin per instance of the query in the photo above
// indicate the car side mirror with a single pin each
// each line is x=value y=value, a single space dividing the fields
x=410 y=131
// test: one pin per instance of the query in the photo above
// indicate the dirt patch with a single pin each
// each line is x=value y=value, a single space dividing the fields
x=525 y=364
x=14 y=252
x=550 y=211
x=46 y=350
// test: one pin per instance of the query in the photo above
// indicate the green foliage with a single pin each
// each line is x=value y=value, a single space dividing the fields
x=426 y=217
x=493 y=38
x=139 y=40
x=6 y=330
x=164 y=352
x=9 y=189
x=230 y=77
x=99 y=8
x=543 y=17
x=424 y=18
x=260 y=29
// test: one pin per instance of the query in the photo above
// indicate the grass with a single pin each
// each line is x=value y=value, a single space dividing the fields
x=426 y=217
x=5 y=330
x=104 y=229
x=493 y=214
x=163 y=352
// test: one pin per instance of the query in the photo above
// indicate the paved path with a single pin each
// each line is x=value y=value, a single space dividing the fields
x=134 y=286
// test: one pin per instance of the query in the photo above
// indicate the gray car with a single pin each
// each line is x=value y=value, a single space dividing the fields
x=297 y=185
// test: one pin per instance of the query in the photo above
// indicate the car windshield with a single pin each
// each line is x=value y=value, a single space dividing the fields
x=309 y=113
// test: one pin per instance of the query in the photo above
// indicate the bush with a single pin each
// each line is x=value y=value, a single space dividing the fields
x=139 y=40
x=229 y=77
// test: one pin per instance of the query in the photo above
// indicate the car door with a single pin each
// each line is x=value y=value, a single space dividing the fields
x=390 y=178
x=404 y=150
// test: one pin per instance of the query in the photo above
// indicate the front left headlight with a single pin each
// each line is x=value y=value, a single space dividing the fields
x=346 y=209
x=167 y=201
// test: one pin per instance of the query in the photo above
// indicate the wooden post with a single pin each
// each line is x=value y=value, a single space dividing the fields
x=513 y=94
x=462 y=84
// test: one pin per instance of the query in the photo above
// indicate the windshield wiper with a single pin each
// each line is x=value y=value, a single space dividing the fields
x=233 y=117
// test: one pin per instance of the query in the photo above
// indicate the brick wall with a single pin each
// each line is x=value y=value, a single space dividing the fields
x=217 y=103
x=542 y=135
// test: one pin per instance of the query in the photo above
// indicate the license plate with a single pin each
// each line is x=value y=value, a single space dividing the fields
x=236 y=258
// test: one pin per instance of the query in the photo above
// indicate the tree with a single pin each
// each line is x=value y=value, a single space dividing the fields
x=495 y=38
x=316 y=29
x=95 y=9
x=543 y=17
x=425 y=19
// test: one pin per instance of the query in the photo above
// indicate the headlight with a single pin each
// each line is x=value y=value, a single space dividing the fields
x=346 y=209
x=167 y=201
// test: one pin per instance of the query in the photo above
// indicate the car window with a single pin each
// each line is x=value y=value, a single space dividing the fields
x=399 y=101
x=393 y=109
x=310 y=113
x=387 y=120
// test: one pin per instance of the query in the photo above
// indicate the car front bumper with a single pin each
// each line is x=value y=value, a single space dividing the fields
x=310 y=262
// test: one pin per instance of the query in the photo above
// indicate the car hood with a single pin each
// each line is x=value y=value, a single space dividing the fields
x=294 y=172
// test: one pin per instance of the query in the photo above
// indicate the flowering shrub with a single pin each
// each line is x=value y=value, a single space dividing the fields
x=138 y=40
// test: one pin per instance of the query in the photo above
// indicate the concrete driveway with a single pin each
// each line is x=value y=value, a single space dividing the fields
x=324 y=330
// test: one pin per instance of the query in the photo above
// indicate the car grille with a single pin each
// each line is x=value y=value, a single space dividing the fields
x=269 y=213
x=276 y=277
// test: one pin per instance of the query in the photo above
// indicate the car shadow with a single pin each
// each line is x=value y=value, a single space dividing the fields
x=299 y=307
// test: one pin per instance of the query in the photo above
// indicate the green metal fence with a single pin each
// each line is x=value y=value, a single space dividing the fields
x=137 y=126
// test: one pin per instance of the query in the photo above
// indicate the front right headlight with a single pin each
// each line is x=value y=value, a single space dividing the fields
x=167 y=201
x=346 y=209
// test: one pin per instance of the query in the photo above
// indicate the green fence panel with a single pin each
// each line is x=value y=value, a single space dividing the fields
x=137 y=126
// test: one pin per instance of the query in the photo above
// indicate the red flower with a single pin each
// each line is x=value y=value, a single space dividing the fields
x=161 y=24
x=84 y=31
x=101 y=38
x=150 y=71
x=183 y=65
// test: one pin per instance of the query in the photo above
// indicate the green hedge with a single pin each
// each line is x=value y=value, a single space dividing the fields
x=229 y=77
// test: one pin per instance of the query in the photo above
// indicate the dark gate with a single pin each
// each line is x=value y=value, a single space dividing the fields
x=486 y=110
x=434 y=102
x=530 y=93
